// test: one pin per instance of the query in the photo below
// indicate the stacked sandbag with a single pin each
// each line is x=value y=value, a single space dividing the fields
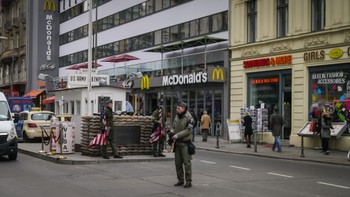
x=90 y=126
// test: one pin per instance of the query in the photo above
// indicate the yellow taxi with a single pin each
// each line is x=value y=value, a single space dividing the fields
x=28 y=124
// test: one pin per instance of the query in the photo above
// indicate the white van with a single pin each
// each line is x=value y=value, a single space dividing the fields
x=8 y=136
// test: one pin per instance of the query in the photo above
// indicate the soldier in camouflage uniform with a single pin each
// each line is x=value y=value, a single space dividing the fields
x=110 y=134
x=182 y=130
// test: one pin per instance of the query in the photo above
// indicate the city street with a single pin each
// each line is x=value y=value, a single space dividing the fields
x=214 y=174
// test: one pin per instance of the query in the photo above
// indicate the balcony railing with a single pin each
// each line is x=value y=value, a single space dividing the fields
x=178 y=65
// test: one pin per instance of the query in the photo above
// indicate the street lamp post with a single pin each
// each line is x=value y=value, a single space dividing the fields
x=90 y=42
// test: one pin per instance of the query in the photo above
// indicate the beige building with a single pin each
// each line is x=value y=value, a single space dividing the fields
x=294 y=54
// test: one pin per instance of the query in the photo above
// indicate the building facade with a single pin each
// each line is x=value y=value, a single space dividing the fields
x=180 y=49
x=29 y=46
x=294 y=55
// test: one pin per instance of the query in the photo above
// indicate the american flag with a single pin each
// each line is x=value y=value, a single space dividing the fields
x=100 y=139
x=158 y=131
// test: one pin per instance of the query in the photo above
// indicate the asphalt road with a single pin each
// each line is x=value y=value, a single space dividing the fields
x=214 y=174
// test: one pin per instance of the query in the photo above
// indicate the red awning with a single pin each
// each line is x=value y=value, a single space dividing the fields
x=49 y=100
x=34 y=93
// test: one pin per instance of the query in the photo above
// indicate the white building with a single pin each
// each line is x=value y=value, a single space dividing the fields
x=169 y=38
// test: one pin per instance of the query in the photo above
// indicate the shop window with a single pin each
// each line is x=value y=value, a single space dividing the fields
x=282 y=18
x=330 y=91
x=264 y=90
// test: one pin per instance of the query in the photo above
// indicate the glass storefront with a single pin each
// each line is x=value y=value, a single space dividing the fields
x=269 y=89
x=330 y=91
x=206 y=98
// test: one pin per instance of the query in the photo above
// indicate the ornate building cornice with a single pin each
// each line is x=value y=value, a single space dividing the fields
x=316 y=41
x=251 y=51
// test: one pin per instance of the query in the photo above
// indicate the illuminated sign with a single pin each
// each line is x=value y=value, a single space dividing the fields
x=265 y=80
x=335 y=53
x=273 y=61
x=145 y=83
x=314 y=56
x=217 y=74
x=49 y=5
x=193 y=78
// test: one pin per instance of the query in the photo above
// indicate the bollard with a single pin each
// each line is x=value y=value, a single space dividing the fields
x=302 y=146
x=255 y=143
x=42 y=140
x=218 y=133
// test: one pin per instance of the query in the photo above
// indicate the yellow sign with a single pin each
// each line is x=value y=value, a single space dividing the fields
x=335 y=53
x=145 y=84
x=217 y=74
x=50 y=5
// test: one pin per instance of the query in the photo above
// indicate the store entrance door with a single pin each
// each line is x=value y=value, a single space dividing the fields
x=286 y=113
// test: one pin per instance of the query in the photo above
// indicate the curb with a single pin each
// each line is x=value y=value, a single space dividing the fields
x=276 y=157
x=54 y=159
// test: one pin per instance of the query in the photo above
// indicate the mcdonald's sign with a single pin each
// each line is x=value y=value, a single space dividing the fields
x=50 y=5
x=145 y=83
x=217 y=74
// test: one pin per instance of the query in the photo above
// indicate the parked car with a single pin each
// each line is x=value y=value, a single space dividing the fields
x=28 y=124
x=8 y=138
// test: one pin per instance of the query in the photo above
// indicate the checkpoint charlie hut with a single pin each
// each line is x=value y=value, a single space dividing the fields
x=132 y=132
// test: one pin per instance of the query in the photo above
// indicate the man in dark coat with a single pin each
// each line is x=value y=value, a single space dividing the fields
x=276 y=123
x=110 y=133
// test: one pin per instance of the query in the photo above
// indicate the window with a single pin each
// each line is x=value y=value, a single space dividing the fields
x=78 y=107
x=71 y=103
x=204 y=26
x=174 y=33
x=317 y=15
x=329 y=88
x=282 y=18
x=194 y=28
x=117 y=105
x=217 y=22
x=251 y=20
x=185 y=30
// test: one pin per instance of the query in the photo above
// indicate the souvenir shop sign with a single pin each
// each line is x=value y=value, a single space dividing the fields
x=329 y=77
x=273 y=61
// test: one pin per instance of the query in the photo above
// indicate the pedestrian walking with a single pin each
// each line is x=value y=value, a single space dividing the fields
x=205 y=124
x=110 y=134
x=248 y=130
x=326 y=123
x=276 y=123
x=182 y=134
x=195 y=119
x=159 y=123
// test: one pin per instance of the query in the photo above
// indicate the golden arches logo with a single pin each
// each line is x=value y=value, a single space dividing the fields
x=49 y=5
x=145 y=83
x=217 y=74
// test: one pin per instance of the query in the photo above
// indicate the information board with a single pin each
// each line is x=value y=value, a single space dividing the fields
x=337 y=131
x=125 y=135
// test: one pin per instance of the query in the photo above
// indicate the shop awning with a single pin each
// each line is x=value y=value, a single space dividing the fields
x=34 y=93
x=49 y=100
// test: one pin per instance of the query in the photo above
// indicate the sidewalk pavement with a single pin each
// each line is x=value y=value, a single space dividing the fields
x=262 y=150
